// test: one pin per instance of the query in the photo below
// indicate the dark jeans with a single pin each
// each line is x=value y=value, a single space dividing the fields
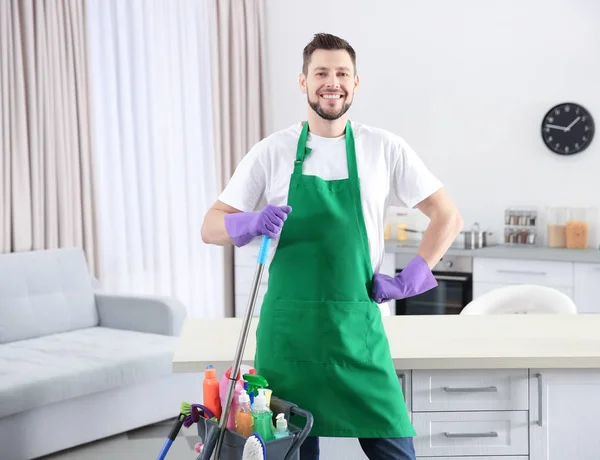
x=374 y=448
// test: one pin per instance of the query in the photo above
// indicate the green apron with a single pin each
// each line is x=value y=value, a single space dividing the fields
x=320 y=339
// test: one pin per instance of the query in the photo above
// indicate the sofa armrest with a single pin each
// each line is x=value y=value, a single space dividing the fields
x=157 y=315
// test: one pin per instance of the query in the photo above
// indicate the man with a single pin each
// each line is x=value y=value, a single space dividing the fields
x=321 y=188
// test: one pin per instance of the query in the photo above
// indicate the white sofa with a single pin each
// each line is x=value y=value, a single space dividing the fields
x=77 y=364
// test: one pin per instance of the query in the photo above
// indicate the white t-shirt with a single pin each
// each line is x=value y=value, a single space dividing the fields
x=390 y=173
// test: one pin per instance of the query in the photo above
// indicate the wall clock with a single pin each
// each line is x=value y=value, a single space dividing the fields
x=567 y=128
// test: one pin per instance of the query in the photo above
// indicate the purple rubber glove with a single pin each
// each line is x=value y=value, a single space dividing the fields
x=415 y=279
x=243 y=227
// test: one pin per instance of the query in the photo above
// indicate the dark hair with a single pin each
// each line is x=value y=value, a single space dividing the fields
x=324 y=41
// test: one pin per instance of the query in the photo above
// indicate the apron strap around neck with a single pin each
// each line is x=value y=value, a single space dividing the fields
x=351 y=152
x=302 y=151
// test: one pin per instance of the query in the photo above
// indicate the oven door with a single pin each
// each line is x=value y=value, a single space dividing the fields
x=453 y=292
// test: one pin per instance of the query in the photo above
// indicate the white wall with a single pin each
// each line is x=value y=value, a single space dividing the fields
x=466 y=83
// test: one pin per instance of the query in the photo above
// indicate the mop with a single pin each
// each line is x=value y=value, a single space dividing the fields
x=214 y=441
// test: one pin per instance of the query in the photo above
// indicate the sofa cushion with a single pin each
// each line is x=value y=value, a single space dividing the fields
x=44 y=292
x=54 y=368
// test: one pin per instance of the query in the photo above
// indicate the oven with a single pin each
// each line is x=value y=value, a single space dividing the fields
x=454 y=275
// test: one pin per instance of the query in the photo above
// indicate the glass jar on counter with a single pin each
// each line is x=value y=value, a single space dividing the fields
x=556 y=222
x=577 y=228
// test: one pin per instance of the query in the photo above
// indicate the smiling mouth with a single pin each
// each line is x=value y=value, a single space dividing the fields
x=330 y=96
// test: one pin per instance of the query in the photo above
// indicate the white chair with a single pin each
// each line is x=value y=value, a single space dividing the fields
x=521 y=299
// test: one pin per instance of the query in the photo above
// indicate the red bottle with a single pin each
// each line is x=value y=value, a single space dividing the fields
x=210 y=389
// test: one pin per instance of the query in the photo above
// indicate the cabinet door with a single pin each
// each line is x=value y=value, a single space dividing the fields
x=471 y=433
x=517 y=271
x=564 y=408
x=441 y=390
x=587 y=280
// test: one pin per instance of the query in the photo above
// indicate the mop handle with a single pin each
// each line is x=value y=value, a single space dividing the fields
x=263 y=251
x=263 y=254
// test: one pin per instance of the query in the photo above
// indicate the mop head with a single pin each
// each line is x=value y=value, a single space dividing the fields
x=254 y=449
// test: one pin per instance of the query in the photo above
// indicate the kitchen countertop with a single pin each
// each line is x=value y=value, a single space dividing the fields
x=429 y=342
x=589 y=255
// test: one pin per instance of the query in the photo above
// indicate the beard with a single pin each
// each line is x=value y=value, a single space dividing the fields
x=316 y=106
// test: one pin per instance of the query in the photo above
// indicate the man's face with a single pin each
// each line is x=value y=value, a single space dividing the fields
x=329 y=83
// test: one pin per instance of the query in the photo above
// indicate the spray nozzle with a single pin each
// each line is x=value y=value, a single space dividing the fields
x=255 y=382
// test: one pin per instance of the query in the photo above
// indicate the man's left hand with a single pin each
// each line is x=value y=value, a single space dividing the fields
x=414 y=279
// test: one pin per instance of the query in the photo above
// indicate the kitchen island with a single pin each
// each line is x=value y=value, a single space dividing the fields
x=495 y=387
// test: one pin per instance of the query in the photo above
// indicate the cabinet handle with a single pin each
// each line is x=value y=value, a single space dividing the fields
x=521 y=272
x=491 y=434
x=470 y=390
x=540 y=421
x=451 y=278
x=403 y=383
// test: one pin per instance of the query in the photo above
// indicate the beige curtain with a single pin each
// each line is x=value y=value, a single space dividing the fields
x=46 y=186
x=239 y=91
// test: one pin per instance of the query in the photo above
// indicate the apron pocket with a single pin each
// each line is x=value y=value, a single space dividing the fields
x=324 y=332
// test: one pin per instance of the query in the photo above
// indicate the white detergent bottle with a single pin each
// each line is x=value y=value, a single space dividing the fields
x=281 y=430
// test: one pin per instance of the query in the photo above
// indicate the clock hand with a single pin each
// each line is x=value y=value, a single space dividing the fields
x=574 y=121
x=557 y=127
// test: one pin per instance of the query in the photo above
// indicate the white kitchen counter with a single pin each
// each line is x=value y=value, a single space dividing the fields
x=588 y=255
x=429 y=342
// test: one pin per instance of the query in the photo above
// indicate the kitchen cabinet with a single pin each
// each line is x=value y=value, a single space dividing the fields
x=476 y=389
x=493 y=414
x=468 y=433
x=493 y=273
x=565 y=404
x=462 y=413
x=505 y=272
x=578 y=280
x=586 y=284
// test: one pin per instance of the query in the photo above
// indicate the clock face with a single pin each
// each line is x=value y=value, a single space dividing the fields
x=567 y=129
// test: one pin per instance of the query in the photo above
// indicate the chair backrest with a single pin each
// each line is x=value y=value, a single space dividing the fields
x=521 y=299
x=45 y=292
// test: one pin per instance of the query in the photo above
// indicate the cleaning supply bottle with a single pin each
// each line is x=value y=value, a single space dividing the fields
x=211 y=391
x=237 y=391
x=281 y=429
x=244 y=421
x=263 y=417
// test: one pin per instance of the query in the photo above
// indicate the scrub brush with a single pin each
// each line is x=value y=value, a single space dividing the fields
x=254 y=449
